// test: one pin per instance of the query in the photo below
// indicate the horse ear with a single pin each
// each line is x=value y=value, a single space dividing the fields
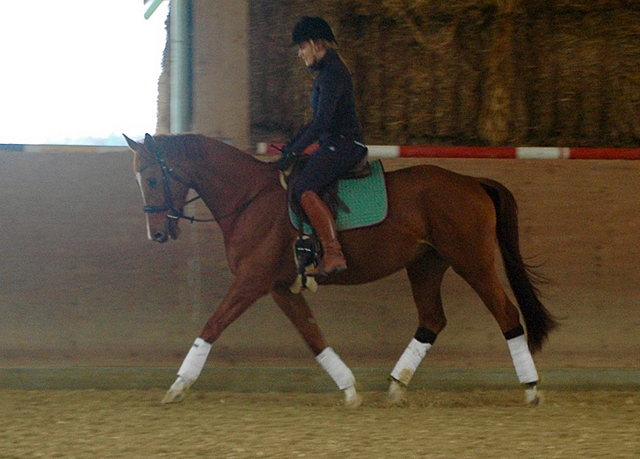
x=135 y=146
x=150 y=142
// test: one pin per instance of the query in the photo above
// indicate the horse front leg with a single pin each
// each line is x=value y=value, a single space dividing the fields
x=237 y=300
x=296 y=308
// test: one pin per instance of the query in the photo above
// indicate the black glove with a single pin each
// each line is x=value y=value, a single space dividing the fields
x=287 y=159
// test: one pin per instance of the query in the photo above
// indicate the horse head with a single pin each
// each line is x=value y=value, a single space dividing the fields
x=164 y=192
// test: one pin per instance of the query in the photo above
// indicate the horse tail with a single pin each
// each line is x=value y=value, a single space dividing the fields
x=539 y=322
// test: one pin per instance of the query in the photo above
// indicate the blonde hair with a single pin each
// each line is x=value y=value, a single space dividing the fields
x=327 y=45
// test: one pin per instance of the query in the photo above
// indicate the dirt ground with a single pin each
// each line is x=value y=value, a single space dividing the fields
x=435 y=424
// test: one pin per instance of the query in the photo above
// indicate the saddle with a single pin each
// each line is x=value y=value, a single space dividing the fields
x=358 y=199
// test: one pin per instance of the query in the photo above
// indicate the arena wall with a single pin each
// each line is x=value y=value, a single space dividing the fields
x=81 y=284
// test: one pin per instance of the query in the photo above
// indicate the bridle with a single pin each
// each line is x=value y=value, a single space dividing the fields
x=173 y=213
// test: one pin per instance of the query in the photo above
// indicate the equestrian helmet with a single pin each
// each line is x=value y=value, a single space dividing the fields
x=312 y=28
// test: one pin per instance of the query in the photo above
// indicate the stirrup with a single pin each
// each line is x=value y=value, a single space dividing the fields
x=304 y=250
x=320 y=271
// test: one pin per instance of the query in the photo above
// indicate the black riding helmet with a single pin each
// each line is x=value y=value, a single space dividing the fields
x=312 y=28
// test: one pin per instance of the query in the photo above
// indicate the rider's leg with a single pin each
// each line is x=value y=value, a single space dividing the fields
x=322 y=221
x=325 y=166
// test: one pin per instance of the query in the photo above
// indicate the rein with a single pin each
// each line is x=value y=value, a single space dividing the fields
x=242 y=206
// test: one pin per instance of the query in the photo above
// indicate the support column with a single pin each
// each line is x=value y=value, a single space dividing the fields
x=180 y=65
x=221 y=70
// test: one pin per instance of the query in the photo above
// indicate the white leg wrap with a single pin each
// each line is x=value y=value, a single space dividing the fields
x=522 y=360
x=409 y=361
x=195 y=360
x=339 y=372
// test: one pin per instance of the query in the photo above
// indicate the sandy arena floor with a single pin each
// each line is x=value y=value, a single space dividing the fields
x=435 y=424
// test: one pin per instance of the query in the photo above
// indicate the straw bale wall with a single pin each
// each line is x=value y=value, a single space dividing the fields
x=462 y=71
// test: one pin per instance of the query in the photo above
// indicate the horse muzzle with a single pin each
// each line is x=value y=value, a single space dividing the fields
x=168 y=230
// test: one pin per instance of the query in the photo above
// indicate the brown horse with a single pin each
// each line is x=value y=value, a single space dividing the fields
x=436 y=219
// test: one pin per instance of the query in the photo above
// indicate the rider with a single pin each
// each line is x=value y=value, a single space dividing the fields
x=334 y=125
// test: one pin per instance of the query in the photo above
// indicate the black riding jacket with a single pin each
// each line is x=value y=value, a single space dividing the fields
x=333 y=102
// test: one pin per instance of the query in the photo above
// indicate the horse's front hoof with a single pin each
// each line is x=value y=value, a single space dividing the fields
x=397 y=394
x=532 y=397
x=175 y=394
x=352 y=399
x=173 y=397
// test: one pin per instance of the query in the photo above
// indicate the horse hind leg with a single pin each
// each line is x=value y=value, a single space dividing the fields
x=407 y=365
x=524 y=365
x=487 y=284
x=425 y=276
x=296 y=308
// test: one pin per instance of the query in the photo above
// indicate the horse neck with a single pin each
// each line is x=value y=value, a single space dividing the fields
x=227 y=177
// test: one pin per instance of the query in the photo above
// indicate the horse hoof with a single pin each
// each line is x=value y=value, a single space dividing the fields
x=352 y=399
x=532 y=397
x=397 y=395
x=173 y=397
x=175 y=394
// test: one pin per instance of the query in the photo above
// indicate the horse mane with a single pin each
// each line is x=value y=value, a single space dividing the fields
x=199 y=146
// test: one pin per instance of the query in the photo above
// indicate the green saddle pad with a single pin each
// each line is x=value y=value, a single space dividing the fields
x=366 y=199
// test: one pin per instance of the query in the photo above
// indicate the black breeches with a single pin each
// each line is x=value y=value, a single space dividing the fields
x=326 y=165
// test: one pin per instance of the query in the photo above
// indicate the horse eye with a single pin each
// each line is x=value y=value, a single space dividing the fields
x=152 y=182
